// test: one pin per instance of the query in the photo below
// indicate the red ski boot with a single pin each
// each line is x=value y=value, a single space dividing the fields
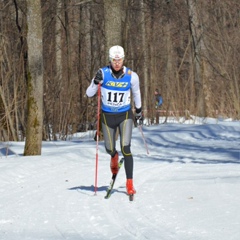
x=129 y=187
x=114 y=164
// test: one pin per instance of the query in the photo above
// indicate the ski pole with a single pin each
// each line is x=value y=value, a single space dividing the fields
x=98 y=126
x=140 y=129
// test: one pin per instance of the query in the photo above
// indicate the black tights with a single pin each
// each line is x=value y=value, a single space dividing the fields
x=123 y=122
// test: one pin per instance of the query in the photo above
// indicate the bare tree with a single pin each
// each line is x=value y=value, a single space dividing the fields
x=198 y=45
x=189 y=51
x=145 y=51
x=35 y=79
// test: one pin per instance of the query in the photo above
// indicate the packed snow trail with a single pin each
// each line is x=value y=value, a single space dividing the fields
x=187 y=188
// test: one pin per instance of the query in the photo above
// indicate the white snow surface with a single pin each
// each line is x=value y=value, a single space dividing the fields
x=188 y=187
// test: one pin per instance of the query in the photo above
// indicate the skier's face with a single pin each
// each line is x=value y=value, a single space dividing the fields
x=117 y=64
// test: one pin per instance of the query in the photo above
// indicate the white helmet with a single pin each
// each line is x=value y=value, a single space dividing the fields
x=116 y=52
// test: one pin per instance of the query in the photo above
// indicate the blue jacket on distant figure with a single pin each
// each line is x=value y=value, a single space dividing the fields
x=158 y=99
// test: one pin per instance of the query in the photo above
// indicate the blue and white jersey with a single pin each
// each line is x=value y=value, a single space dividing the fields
x=115 y=93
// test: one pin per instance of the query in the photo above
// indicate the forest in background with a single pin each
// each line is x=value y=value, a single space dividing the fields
x=188 y=49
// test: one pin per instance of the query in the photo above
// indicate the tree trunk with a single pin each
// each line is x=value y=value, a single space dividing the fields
x=113 y=23
x=34 y=79
x=145 y=57
x=198 y=47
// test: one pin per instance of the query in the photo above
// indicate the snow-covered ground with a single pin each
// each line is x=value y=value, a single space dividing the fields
x=188 y=187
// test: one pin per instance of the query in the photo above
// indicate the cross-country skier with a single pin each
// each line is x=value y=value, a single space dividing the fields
x=117 y=84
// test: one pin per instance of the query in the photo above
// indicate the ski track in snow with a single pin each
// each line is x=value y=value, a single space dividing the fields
x=186 y=189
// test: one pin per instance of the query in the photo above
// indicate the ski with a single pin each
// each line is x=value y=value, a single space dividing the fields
x=114 y=176
x=131 y=197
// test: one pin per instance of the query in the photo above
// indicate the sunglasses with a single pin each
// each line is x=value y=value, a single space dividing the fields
x=113 y=60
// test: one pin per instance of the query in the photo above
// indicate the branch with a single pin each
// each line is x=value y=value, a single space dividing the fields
x=82 y=2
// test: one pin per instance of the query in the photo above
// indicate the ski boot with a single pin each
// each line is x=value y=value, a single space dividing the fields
x=114 y=164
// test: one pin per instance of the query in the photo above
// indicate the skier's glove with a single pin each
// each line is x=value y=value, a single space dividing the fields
x=139 y=116
x=98 y=78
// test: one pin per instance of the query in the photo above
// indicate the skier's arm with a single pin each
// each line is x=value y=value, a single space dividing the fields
x=137 y=98
x=136 y=90
x=92 y=89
